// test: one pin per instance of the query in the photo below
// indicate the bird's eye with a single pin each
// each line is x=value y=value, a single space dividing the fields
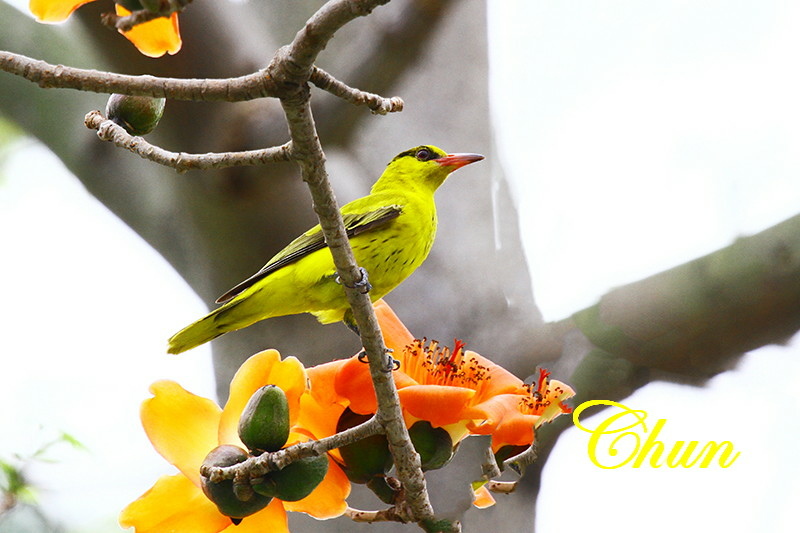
x=424 y=154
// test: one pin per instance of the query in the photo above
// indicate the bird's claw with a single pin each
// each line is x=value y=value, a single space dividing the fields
x=392 y=364
x=363 y=285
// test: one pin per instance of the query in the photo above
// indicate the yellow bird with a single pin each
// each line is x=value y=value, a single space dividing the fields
x=391 y=231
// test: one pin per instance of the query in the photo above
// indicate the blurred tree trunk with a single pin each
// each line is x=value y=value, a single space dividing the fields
x=218 y=227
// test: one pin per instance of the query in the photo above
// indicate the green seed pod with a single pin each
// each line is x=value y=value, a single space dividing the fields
x=434 y=445
x=295 y=481
x=381 y=488
x=139 y=115
x=264 y=425
x=366 y=458
x=222 y=493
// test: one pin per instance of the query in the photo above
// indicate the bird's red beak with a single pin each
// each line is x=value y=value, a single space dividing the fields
x=457 y=161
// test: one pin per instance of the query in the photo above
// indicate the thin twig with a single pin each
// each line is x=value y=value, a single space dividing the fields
x=501 y=487
x=393 y=49
x=489 y=468
x=320 y=28
x=47 y=76
x=378 y=104
x=127 y=22
x=181 y=161
x=266 y=462
x=520 y=461
x=391 y=514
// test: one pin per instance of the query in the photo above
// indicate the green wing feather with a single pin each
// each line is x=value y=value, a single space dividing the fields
x=313 y=240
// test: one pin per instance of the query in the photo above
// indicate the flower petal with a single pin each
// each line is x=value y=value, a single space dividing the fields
x=516 y=431
x=174 y=503
x=156 y=37
x=496 y=379
x=263 y=368
x=182 y=426
x=354 y=383
x=503 y=420
x=272 y=518
x=395 y=334
x=483 y=498
x=328 y=499
x=323 y=381
x=54 y=10
x=438 y=404
x=317 y=420
x=557 y=392
x=491 y=412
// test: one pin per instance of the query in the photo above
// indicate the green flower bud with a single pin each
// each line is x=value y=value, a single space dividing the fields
x=366 y=458
x=295 y=481
x=434 y=445
x=222 y=493
x=264 y=425
x=139 y=115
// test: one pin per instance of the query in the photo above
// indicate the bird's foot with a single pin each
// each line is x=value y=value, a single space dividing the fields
x=391 y=363
x=363 y=285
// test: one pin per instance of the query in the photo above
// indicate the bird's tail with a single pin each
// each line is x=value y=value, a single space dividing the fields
x=211 y=326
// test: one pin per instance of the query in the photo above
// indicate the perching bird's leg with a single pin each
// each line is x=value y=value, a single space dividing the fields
x=363 y=285
x=391 y=365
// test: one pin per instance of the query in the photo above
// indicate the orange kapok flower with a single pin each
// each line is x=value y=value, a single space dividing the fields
x=512 y=418
x=153 y=39
x=456 y=389
x=184 y=427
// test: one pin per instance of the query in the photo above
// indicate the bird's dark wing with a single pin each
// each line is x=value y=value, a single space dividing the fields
x=312 y=240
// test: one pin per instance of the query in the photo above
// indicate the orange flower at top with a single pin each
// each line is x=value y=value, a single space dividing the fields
x=184 y=427
x=458 y=389
x=154 y=38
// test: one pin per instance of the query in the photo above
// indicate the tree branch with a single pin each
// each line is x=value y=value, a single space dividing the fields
x=258 y=466
x=291 y=68
x=692 y=322
x=750 y=288
x=320 y=28
x=391 y=514
x=308 y=154
x=393 y=51
x=243 y=88
x=376 y=103
x=127 y=22
x=181 y=161
x=47 y=76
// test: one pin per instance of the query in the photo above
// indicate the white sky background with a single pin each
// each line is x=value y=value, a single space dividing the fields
x=637 y=135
